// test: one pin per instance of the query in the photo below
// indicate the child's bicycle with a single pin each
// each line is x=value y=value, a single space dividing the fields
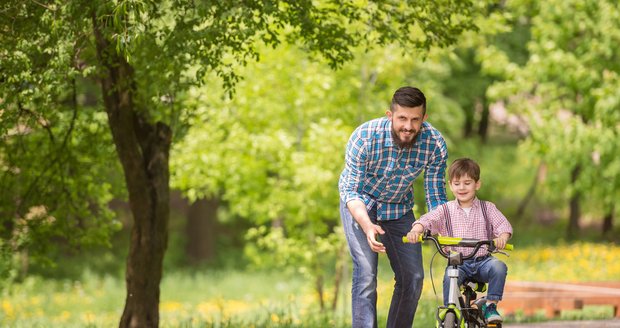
x=464 y=309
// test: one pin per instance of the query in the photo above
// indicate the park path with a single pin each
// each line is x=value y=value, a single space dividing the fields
x=612 y=323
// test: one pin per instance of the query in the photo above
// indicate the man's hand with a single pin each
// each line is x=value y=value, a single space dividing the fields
x=416 y=232
x=371 y=231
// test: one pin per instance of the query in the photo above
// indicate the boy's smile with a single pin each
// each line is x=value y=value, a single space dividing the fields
x=464 y=189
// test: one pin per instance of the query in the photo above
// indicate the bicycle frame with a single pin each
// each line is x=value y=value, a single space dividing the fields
x=458 y=312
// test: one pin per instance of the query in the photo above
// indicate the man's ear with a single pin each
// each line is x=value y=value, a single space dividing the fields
x=388 y=113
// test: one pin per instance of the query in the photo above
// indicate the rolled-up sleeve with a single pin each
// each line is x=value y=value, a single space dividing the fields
x=498 y=220
x=433 y=221
x=435 y=175
x=355 y=166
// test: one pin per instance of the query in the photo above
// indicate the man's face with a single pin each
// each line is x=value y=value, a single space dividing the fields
x=406 y=124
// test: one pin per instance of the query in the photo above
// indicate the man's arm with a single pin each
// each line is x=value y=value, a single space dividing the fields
x=351 y=187
x=435 y=175
x=355 y=168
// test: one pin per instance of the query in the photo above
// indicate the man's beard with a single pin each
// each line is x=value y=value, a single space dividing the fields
x=404 y=144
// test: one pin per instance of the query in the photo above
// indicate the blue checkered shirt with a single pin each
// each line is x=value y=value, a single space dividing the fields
x=380 y=173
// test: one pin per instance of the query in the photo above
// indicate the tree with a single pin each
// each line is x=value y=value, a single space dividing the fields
x=567 y=90
x=474 y=62
x=143 y=55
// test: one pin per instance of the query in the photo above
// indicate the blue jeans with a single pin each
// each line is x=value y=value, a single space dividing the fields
x=405 y=260
x=489 y=269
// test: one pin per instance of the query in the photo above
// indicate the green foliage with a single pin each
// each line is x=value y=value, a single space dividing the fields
x=52 y=53
x=274 y=152
x=567 y=92
x=56 y=185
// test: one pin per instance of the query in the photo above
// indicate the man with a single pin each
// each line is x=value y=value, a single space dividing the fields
x=383 y=158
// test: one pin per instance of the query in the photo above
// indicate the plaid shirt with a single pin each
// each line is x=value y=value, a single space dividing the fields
x=380 y=173
x=465 y=225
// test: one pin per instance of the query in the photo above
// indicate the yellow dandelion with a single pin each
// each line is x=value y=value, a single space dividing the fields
x=64 y=316
x=8 y=309
x=89 y=317
x=171 y=306
x=206 y=308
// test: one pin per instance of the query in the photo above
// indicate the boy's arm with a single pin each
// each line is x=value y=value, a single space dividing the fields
x=501 y=226
x=429 y=221
x=417 y=230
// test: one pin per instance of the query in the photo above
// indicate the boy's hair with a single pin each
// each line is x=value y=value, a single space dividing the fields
x=464 y=166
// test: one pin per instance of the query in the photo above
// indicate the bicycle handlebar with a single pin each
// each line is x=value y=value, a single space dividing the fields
x=454 y=241
x=462 y=242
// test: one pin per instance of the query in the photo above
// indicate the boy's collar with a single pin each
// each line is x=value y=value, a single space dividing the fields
x=474 y=202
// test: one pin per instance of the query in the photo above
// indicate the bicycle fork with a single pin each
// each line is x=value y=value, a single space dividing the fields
x=445 y=319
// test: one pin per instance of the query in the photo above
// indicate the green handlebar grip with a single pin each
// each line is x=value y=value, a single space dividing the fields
x=406 y=240
x=452 y=241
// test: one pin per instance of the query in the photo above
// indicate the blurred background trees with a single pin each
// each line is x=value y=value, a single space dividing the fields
x=140 y=58
x=258 y=141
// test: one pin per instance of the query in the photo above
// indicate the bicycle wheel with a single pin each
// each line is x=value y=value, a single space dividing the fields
x=450 y=320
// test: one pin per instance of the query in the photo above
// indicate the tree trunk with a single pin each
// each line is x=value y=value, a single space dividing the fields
x=483 y=126
x=608 y=221
x=540 y=174
x=143 y=150
x=575 y=208
x=201 y=228
x=468 y=125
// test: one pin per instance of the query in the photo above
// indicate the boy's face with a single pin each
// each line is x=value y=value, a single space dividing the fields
x=464 y=189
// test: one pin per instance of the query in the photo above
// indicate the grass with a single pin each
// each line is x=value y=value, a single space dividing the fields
x=268 y=299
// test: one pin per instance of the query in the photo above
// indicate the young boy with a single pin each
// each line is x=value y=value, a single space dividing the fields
x=469 y=217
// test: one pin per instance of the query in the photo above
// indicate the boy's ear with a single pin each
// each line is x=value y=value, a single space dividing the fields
x=478 y=184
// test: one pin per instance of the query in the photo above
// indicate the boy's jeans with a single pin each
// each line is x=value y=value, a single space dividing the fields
x=405 y=260
x=489 y=269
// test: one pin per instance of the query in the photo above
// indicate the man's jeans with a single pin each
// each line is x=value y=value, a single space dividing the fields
x=405 y=260
x=489 y=269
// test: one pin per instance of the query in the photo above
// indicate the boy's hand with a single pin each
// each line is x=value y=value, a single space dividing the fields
x=501 y=241
x=416 y=232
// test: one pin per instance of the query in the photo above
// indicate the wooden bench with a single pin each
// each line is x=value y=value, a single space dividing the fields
x=553 y=297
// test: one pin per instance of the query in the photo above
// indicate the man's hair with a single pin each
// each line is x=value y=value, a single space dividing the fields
x=408 y=97
x=462 y=167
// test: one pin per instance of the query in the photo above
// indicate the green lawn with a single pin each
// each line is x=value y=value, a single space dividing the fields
x=268 y=299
